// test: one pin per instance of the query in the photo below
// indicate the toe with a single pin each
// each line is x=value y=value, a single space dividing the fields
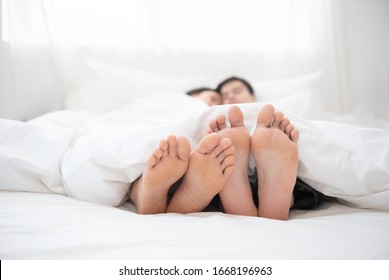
x=289 y=128
x=226 y=152
x=152 y=161
x=284 y=124
x=213 y=126
x=224 y=144
x=208 y=143
x=172 y=149
x=208 y=131
x=265 y=116
x=235 y=116
x=157 y=154
x=221 y=122
x=294 y=135
x=228 y=161
x=278 y=117
x=183 y=148
x=228 y=171
x=163 y=144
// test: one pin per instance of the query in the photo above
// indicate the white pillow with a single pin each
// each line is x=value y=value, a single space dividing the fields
x=299 y=95
x=105 y=86
x=280 y=88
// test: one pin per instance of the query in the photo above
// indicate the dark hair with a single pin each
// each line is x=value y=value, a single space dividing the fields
x=199 y=90
x=231 y=79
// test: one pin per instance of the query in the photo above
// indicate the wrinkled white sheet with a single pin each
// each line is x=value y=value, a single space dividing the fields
x=95 y=158
x=47 y=226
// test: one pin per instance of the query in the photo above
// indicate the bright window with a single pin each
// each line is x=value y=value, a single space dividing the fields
x=254 y=25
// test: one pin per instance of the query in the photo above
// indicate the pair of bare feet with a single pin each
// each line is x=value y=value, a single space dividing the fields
x=219 y=165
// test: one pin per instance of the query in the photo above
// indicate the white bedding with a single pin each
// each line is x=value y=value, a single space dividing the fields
x=61 y=174
x=47 y=226
x=95 y=158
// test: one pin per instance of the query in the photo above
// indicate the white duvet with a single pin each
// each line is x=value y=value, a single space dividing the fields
x=95 y=158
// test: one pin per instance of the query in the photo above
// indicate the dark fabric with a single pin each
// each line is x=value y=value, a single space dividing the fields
x=305 y=197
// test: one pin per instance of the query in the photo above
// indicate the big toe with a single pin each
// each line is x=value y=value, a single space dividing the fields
x=265 y=116
x=235 y=116
x=208 y=143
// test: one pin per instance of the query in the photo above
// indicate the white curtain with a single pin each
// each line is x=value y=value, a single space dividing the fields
x=257 y=39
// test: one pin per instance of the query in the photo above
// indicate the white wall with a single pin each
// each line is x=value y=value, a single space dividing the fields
x=7 y=105
x=367 y=55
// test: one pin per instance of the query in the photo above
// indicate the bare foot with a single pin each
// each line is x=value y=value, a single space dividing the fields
x=236 y=196
x=165 y=166
x=210 y=163
x=274 y=146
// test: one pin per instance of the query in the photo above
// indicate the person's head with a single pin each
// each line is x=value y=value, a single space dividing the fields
x=208 y=95
x=236 y=90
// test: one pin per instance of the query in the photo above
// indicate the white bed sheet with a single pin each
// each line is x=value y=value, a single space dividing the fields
x=50 y=226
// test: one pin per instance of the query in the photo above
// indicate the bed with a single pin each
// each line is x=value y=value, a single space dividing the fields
x=65 y=178
x=50 y=226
